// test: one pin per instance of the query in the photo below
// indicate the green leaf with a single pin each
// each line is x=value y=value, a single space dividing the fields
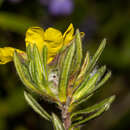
x=88 y=86
x=75 y=128
x=106 y=77
x=84 y=88
x=21 y=72
x=31 y=68
x=94 y=88
x=29 y=51
x=83 y=70
x=101 y=72
x=39 y=72
x=65 y=72
x=58 y=125
x=96 y=56
x=44 y=55
x=84 y=66
x=94 y=110
x=78 y=118
x=76 y=104
x=76 y=62
x=61 y=58
x=36 y=106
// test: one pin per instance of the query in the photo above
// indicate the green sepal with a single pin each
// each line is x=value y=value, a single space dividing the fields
x=96 y=56
x=23 y=73
x=93 y=111
x=36 y=106
x=65 y=72
x=58 y=125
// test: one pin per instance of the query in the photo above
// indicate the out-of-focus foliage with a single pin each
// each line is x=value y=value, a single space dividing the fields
x=98 y=19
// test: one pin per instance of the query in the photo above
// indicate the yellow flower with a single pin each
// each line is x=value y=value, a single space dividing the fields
x=52 y=38
x=68 y=35
x=6 y=54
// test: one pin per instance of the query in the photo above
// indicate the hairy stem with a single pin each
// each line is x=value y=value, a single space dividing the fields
x=66 y=115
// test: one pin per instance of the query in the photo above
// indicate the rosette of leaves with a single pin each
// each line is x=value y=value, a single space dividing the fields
x=69 y=81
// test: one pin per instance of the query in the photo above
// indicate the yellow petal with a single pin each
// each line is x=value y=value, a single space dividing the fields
x=6 y=54
x=52 y=34
x=68 y=35
x=53 y=39
x=34 y=35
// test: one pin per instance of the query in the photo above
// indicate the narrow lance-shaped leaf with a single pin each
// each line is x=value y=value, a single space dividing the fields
x=36 y=106
x=75 y=128
x=78 y=118
x=81 y=75
x=105 y=102
x=96 y=56
x=98 y=113
x=98 y=109
x=40 y=72
x=87 y=87
x=21 y=72
x=31 y=67
x=106 y=77
x=44 y=55
x=38 y=65
x=76 y=62
x=94 y=88
x=76 y=104
x=58 y=125
x=29 y=51
x=83 y=89
x=61 y=58
x=85 y=65
x=24 y=76
x=65 y=72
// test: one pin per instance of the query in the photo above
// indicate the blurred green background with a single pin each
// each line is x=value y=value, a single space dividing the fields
x=98 y=19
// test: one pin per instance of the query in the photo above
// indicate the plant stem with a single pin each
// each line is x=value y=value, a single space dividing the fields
x=66 y=115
